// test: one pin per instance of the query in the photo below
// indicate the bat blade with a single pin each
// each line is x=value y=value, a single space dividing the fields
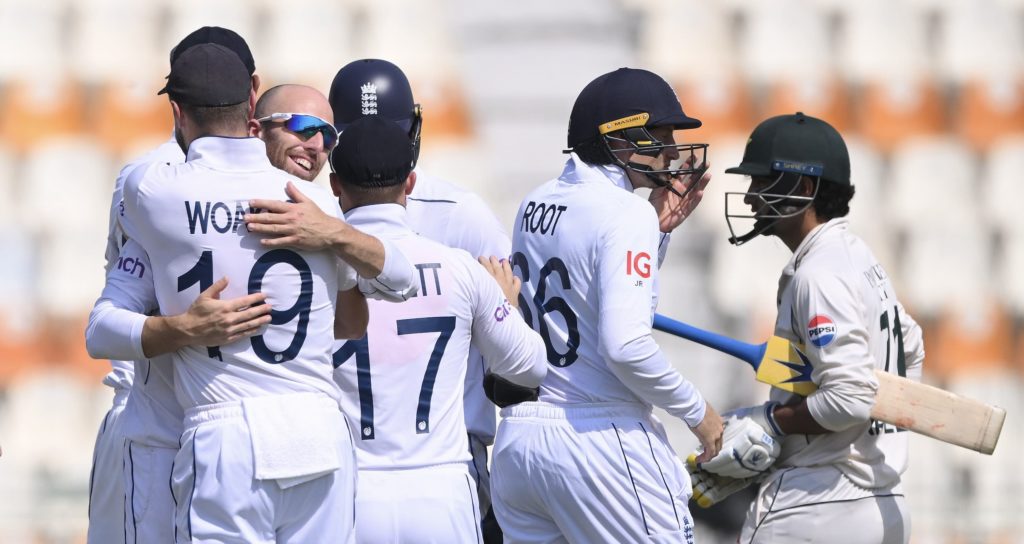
x=936 y=413
x=907 y=404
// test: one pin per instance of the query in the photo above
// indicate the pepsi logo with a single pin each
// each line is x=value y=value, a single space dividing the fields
x=821 y=330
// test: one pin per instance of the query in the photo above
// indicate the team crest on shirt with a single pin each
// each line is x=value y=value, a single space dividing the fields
x=821 y=330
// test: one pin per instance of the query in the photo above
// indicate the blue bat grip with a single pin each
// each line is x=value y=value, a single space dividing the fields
x=750 y=353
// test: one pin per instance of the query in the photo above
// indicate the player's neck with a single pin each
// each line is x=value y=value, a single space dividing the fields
x=794 y=233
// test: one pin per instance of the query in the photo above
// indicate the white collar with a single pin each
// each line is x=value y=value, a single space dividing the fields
x=378 y=217
x=578 y=171
x=229 y=153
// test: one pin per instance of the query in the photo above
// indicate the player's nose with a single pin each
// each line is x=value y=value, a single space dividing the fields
x=671 y=153
x=315 y=142
x=750 y=199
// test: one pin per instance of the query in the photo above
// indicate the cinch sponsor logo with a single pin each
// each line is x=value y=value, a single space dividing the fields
x=821 y=330
x=131 y=265
x=503 y=311
x=639 y=263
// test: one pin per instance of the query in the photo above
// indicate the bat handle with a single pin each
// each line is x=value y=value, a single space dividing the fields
x=750 y=353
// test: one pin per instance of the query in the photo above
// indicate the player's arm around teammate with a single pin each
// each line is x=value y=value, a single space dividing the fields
x=119 y=327
x=301 y=224
x=128 y=501
x=298 y=145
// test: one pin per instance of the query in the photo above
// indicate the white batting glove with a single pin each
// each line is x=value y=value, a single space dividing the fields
x=747 y=450
x=710 y=489
x=762 y=414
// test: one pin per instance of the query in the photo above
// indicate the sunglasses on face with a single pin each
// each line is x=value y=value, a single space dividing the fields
x=305 y=126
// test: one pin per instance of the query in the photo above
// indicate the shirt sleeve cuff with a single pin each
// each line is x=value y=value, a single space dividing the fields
x=136 y=323
x=397 y=278
x=663 y=241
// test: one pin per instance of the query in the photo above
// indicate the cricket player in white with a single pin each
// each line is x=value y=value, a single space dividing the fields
x=154 y=421
x=144 y=425
x=442 y=212
x=265 y=456
x=589 y=462
x=403 y=382
x=107 y=483
x=837 y=478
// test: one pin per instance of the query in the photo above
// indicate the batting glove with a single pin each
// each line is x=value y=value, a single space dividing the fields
x=710 y=489
x=762 y=414
x=747 y=450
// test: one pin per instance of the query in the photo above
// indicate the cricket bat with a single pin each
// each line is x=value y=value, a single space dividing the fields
x=901 y=402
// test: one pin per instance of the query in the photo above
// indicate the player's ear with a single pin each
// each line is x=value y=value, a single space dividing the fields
x=255 y=129
x=410 y=182
x=335 y=184
x=806 y=186
x=252 y=94
x=176 y=113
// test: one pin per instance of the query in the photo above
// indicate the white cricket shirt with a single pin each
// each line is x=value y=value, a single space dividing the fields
x=190 y=220
x=586 y=249
x=403 y=383
x=455 y=217
x=167 y=152
x=838 y=301
x=153 y=415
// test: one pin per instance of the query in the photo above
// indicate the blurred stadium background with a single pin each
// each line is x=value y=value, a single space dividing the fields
x=927 y=92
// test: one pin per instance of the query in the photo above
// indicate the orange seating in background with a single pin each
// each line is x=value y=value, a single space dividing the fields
x=1017 y=359
x=723 y=106
x=959 y=344
x=988 y=110
x=824 y=98
x=17 y=354
x=51 y=343
x=34 y=112
x=124 y=113
x=891 y=112
x=445 y=112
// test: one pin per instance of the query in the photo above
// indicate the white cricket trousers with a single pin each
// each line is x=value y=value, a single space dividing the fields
x=427 y=505
x=106 y=484
x=219 y=499
x=819 y=504
x=480 y=473
x=587 y=473
x=149 y=506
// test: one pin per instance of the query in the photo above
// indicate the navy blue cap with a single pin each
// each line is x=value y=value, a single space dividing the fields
x=220 y=36
x=795 y=143
x=208 y=75
x=373 y=151
x=625 y=98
